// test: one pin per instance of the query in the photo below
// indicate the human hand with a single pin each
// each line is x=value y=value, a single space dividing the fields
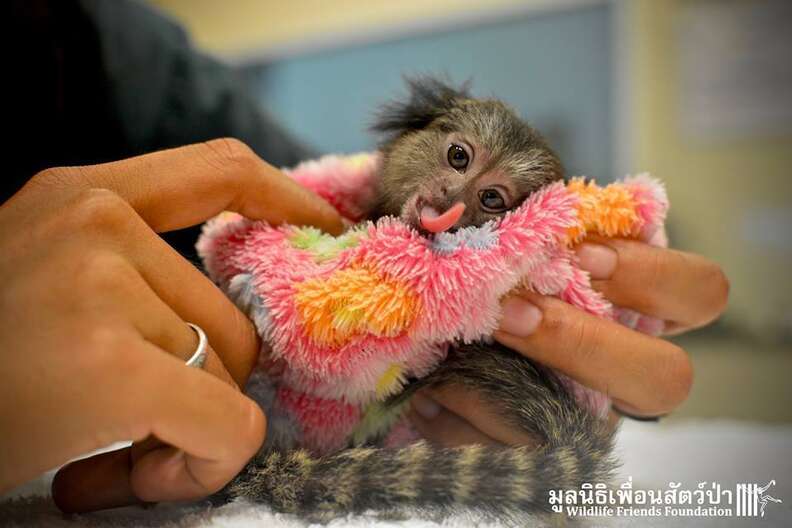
x=644 y=375
x=92 y=326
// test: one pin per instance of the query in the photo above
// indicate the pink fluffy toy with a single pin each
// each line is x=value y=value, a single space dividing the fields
x=347 y=320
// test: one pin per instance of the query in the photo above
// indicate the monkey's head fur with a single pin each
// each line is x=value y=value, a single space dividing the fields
x=443 y=148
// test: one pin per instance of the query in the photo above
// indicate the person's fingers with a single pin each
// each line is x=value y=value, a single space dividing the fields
x=113 y=225
x=441 y=426
x=177 y=188
x=685 y=289
x=473 y=422
x=160 y=325
x=203 y=458
x=94 y=483
x=173 y=402
x=191 y=295
x=166 y=474
x=104 y=479
x=480 y=413
x=650 y=375
x=112 y=480
x=213 y=455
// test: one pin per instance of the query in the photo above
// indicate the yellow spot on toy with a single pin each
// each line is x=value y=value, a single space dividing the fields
x=390 y=382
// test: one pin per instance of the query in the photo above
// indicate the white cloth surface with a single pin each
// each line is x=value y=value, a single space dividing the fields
x=689 y=452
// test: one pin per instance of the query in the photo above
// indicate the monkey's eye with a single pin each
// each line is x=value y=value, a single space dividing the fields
x=458 y=158
x=492 y=200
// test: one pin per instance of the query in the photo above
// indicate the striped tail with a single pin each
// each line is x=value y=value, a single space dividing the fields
x=502 y=481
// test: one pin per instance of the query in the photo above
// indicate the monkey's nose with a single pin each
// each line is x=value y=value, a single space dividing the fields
x=435 y=222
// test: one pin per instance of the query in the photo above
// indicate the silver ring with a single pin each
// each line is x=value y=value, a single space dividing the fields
x=199 y=356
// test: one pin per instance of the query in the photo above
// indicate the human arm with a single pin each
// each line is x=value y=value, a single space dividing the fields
x=92 y=325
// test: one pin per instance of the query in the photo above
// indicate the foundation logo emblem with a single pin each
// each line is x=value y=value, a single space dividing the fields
x=752 y=499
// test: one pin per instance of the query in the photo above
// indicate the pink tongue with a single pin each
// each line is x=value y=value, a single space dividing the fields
x=437 y=223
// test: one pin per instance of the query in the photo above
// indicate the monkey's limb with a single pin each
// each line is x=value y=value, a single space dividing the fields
x=503 y=481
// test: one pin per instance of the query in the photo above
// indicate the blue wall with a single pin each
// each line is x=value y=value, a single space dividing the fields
x=554 y=68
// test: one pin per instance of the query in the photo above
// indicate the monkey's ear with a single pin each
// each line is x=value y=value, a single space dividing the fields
x=428 y=99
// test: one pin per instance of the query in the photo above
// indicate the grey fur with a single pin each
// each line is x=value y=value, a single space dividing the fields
x=283 y=434
x=242 y=291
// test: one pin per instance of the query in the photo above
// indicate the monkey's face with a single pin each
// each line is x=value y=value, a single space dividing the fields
x=473 y=163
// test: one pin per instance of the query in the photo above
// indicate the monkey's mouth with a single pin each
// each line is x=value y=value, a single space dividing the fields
x=433 y=221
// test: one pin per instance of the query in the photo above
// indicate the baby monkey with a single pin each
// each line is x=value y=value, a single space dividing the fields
x=451 y=161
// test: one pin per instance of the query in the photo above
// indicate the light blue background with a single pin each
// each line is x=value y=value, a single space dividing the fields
x=554 y=68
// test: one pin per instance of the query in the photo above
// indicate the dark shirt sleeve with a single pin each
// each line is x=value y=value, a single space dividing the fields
x=97 y=80
x=166 y=93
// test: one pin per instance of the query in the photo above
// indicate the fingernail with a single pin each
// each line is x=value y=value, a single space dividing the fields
x=425 y=406
x=520 y=317
x=599 y=261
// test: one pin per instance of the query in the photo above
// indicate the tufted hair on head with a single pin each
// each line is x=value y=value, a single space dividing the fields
x=428 y=98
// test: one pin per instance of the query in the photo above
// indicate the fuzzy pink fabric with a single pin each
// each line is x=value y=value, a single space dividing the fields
x=336 y=354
